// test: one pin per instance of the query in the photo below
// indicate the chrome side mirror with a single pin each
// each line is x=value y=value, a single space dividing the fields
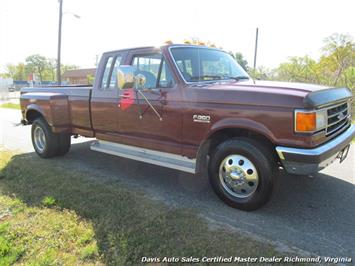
x=140 y=81
x=127 y=78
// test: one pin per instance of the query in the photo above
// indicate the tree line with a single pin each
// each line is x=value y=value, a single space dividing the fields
x=335 y=67
x=45 y=69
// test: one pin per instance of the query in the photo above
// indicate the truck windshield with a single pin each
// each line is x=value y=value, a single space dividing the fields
x=205 y=64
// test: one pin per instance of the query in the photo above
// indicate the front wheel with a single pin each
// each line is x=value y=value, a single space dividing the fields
x=241 y=173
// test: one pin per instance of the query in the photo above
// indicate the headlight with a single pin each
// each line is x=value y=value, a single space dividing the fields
x=310 y=121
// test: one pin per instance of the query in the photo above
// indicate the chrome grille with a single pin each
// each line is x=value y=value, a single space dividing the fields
x=338 y=117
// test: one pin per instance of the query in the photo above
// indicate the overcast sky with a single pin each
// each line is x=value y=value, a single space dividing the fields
x=286 y=28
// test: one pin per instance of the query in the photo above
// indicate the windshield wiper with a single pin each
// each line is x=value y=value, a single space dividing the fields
x=237 y=78
x=206 y=78
x=216 y=77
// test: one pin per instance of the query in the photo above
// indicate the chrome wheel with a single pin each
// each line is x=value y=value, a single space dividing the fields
x=238 y=176
x=39 y=139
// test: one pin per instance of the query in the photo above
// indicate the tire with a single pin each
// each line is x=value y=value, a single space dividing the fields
x=50 y=144
x=44 y=141
x=241 y=172
x=64 y=144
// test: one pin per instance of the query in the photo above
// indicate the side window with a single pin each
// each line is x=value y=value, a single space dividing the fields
x=113 y=80
x=104 y=82
x=148 y=65
x=153 y=67
x=109 y=79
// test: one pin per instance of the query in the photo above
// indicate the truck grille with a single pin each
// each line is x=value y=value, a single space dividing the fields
x=338 y=118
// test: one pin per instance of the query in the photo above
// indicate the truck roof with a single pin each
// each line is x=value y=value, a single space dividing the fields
x=157 y=47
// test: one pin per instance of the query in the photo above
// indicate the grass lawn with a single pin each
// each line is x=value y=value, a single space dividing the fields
x=10 y=105
x=51 y=215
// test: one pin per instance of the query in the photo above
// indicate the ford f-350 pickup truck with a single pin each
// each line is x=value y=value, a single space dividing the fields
x=193 y=108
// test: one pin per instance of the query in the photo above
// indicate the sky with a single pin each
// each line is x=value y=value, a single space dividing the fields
x=286 y=27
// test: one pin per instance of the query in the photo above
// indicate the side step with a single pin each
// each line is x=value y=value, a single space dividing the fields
x=164 y=159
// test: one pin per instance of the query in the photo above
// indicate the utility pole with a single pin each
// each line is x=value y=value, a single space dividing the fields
x=256 y=46
x=59 y=79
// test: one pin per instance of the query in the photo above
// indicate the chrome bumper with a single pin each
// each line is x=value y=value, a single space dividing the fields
x=308 y=161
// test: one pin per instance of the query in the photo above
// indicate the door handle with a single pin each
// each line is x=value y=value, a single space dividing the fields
x=125 y=96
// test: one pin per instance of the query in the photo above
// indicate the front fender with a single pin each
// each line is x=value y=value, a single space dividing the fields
x=228 y=123
x=241 y=123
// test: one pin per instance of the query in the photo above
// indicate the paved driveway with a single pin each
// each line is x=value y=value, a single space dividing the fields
x=316 y=215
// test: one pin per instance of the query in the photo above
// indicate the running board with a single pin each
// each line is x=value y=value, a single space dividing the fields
x=164 y=159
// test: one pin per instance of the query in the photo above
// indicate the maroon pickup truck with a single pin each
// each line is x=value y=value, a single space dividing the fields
x=193 y=108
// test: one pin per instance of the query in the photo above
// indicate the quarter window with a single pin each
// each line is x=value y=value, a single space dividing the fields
x=106 y=73
x=109 y=79
x=113 y=80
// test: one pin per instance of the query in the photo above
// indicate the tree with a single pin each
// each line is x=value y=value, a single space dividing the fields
x=90 y=79
x=51 y=69
x=16 y=72
x=241 y=61
x=44 y=68
x=262 y=73
x=64 y=68
x=334 y=68
x=298 y=69
x=338 y=57
x=37 y=65
x=10 y=71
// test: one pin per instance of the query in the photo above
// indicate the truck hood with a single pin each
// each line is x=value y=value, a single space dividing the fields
x=290 y=86
x=270 y=93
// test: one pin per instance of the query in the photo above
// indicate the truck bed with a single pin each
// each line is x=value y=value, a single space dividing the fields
x=69 y=106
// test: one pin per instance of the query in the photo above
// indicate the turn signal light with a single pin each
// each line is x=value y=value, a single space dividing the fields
x=306 y=122
x=310 y=121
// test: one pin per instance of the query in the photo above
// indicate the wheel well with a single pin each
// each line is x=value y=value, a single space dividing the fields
x=32 y=115
x=220 y=136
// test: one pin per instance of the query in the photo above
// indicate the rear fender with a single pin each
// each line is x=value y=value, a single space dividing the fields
x=53 y=107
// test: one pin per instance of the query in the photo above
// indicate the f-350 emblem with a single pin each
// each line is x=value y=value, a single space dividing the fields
x=201 y=118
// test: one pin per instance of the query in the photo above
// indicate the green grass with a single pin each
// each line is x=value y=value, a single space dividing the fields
x=10 y=105
x=51 y=215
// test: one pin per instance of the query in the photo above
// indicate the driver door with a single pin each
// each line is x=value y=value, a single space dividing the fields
x=151 y=118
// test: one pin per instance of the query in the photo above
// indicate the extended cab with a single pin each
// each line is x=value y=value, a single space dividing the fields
x=193 y=108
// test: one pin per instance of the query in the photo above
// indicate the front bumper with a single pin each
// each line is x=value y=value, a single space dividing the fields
x=308 y=161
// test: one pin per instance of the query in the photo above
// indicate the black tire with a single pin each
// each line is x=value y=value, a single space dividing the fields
x=51 y=140
x=259 y=156
x=64 y=144
x=56 y=144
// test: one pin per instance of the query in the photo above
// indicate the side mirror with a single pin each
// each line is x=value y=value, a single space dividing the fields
x=140 y=81
x=127 y=78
